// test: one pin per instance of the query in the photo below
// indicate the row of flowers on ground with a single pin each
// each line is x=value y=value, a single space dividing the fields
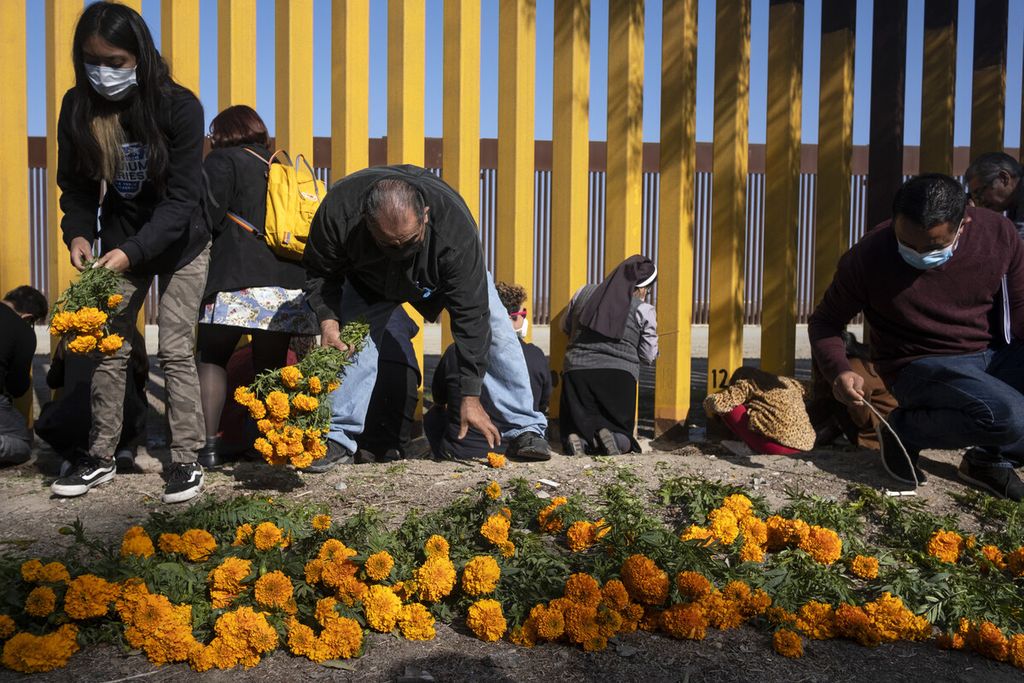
x=508 y=566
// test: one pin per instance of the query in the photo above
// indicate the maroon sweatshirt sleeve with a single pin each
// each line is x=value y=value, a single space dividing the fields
x=1015 y=287
x=844 y=299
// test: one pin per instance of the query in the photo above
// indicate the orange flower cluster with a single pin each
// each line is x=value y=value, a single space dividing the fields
x=340 y=637
x=241 y=637
x=334 y=569
x=89 y=325
x=195 y=544
x=583 y=534
x=946 y=546
x=734 y=520
x=495 y=529
x=152 y=624
x=89 y=596
x=35 y=571
x=884 y=620
x=136 y=542
x=548 y=521
x=30 y=653
x=226 y=581
x=986 y=639
x=496 y=460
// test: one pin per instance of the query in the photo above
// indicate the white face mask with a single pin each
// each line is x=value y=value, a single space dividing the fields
x=113 y=84
x=521 y=332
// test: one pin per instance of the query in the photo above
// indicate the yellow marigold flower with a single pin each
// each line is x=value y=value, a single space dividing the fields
x=29 y=653
x=268 y=536
x=692 y=585
x=89 y=596
x=894 y=621
x=785 y=533
x=244 y=634
x=54 y=572
x=416 y=622
x=111 y=343
x=721 y=612
x=40 y=602
x=865 y=567
x=7 y=627
x=435 y=579
x=89 y=320
x=950 y=641
x=754 y=531
x=816 y=620
x=1016 y=654
x=994 y=556
x=198 y=544
x=322 y=522
x=315 y=385
x=987 y=640
x=493 y=490
x=854 y=623
x=739 y=505
x=495 y=529
x=546 y=518
x=227 y=579
x=243 y=396
x=1015 y=562
x=751 y=552
x=257 y=410
x=723 y=525
x=946 y=546
x=684 y=622
x=486 y=619
x=83 y=343
x=697 y=533
x=301 y=641
x=614 y=595
x=581 y=536
x=136 y=542
x=756 y=604
x=524 y=635
x=496 y=460
x=583 y=588
x=243 y=534
x=332 y=386
x=548 y=621
x=435 y=545
x=114 y=300
x=304 y=403
x=291 y=376
x=169 y=543
x=824 y=545
x=381 y=608
x=277 y=405
x=378 y=566
x=788 y=644
x=62 y=323
x=737 y=591
x=273 y=589
x=480 y=575
x=646 y=583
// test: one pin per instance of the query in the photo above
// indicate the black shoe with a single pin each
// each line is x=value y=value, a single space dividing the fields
x=898 y=463
x=1002 y=482
x=574 y=445
x=184 y=482
x=336 y=455
x=922 y=477
x=209 y=457
x=391 y=455
x=529 y=446
x=125 y=460
x=608 y=443
x=88 y=472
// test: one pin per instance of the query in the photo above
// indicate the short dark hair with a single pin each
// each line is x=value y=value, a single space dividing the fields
x=238 y=125
x=987 y=167
x=930 y=199
x=512 y=296
x=28 y=301
x=389 y=197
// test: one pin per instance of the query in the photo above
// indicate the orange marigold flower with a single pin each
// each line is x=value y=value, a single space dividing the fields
x=40 y=602
x=268 y=536
x=1016 y=654
x=197 y=545
x=136 y=542
x=169 y=543
x=615 y=595
x=894 y=621
x=7 y=627
x=507 y=549
x=994 y=556
x=788 y=644
x=986 y=639
x=1015 y=562
x=291 y=376
x=645 y=582
x=684 y=622
x=817 y=620
x=583 y=588
x=89 y=596
x=697 y=533
x=111 y=343
x=304 y=403
x=524 y=635
x=416 y=622
x=226 y=580
x=865 y=567
x=692 y=585
x=114 y=300
x=89 y=320
x=273 y=589
x=321 y=522
x=315 y=385
x=435 y=579
x=54 y=572
x=946 y=546
x=547 y=519
x=333 y=385
x=493 y=490
x=739 y=505
x=62 y=323
x=83 y=343
x=580 y=622
x=756 y=604
x=480 y=575
x=854 y=623
x=824 y=545
x=785 y=533
x=31 y=570
x=486 y=619
x=754 y=530
x=495 y=529
x=496 y=460
x=29 y=653
x=381 y=607
x=723 y=525
x=243 y=534
x=277 y=405
x=751 y=552
x=548 y=621
x=436 y=545
x=721 y=612
x=581 y=535
x=378 y=566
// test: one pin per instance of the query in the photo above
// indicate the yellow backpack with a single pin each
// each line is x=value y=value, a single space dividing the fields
x=293 y=196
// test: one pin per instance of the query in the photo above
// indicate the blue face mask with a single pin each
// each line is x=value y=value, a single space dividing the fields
x=928 y=259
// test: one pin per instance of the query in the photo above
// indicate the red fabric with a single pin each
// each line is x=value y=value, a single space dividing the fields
x=738 y=423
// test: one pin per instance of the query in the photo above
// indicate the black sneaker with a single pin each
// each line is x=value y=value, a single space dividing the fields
x=88 y=472
x=125 y=460
x=1002 y=482
x=336 y=455
x=608 y=443
x=529 y=446
x=184 y=482
x=209 y=457
x=898 y=463
x=574 y=445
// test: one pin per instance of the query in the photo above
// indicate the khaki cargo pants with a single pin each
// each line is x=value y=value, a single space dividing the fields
x=181 y=294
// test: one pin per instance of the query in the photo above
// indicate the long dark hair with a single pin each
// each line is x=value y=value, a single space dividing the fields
x=124 y=28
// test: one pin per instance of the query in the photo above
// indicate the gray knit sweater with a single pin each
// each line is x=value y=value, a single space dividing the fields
x=589 y=350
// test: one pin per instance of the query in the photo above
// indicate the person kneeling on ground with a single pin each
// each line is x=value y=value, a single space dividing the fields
x=996 y=182
x=442 y=422
x=22 y=308
x=399 y=234
x=611 y=331
x=765 y=411
x=926 y=281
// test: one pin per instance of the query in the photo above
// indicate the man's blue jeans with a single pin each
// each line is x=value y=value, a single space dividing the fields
x=507 y=381
x=950 y=402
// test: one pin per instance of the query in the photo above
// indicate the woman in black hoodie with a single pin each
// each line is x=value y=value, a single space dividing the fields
x=129 y=167
x=250 y=290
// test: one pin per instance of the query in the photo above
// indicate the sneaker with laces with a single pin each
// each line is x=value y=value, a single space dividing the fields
x=86 y=473
x=184 y=482
x=1002 y=482
x=574 y=445
x=336 y=455
x=529 y=446
x=900 y=464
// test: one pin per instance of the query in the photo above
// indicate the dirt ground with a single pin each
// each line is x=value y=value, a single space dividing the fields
x=32 y=517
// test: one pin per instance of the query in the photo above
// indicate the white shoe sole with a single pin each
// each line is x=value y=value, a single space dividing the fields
x=187 y=494
x=72 y=490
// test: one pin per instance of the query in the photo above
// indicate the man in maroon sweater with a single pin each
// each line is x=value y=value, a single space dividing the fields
x=927 y=282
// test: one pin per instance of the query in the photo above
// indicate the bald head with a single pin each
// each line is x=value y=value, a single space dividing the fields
x=395 y=212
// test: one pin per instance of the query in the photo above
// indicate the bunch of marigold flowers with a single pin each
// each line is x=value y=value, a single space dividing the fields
x=291 y=405
x=81 y=316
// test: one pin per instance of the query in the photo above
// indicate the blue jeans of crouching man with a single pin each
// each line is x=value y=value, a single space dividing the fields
x=973 y=400
x=507 y=380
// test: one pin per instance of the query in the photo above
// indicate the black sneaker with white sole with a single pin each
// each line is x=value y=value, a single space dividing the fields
x=1002 y=482
x=86 y=473
x=184 y=482
x=529 y=446
x=899 y=463
x=336 y=455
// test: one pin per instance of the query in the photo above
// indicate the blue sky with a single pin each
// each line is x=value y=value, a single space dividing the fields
x=599 y=33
